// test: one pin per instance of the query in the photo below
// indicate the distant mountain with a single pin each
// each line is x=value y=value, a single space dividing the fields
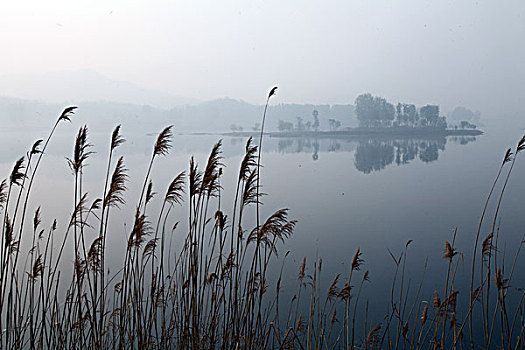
x=84 y=85
x=210 y=116
x=220 y=114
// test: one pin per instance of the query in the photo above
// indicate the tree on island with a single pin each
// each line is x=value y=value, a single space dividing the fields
x=429 y=115
x=334 y=124
x=285 y=126
x=315 y=125
x=466 y=125
x=235 y=128
x=406 y=115
x=411 y=115
x=374 y=111
x=300 y=124
x=308 y=125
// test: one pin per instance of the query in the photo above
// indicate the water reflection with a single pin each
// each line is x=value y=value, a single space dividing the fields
x=370 y=154
x=373 y=155
x=462 y=140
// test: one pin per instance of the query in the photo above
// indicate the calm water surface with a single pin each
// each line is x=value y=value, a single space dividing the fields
x=371 y=194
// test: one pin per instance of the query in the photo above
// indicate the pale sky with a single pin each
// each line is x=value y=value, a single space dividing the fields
x=447 y=52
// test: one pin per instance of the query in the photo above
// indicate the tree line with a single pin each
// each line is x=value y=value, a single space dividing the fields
x=310 y=125
x=375 y=111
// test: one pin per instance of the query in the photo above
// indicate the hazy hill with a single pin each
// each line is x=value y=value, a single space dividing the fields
x=84 y=85
x=220 y=114
x=211 y=116
x=35 y=99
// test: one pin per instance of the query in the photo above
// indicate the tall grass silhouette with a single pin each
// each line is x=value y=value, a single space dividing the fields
x=216 y=291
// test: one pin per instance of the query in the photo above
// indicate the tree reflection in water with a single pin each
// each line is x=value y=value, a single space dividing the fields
x=373 y=154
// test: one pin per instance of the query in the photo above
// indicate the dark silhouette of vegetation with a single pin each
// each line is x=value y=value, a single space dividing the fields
x=429 y=116
x=406 y=115
x=377 y=112
x=334 y=124
x=315 y=124
x=466 y=125
x=215 y=291
x=373 y=111
x=300 y=126
x=235 y=127
x=285 y=126
x=309 y=126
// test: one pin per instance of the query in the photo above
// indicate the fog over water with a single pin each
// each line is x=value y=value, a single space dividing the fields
x=345 y=193
x=206 y=67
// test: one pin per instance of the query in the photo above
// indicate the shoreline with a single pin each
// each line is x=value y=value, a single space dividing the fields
x=364 y=132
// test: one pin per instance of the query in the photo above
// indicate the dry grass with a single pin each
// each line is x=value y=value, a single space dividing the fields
x=214 y=292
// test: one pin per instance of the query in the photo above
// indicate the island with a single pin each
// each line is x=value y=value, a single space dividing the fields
x=378 y=117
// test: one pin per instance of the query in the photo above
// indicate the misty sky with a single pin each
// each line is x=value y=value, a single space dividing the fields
x=447 y=52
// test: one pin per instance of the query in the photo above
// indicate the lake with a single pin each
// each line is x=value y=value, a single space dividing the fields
x=373 y=194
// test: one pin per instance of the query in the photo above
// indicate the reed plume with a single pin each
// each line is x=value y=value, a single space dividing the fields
x=3 y=193
x=163 y=144
x=357 y=261
x=80 y=153
x=175 y=192
x=116 y=138
x=66 y=114
x=18 y=174
x=209 y=288
x=117 y=187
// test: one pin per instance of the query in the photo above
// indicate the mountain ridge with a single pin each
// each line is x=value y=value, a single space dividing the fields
x=85 y=85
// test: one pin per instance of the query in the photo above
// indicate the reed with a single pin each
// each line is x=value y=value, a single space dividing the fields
x=215 y=291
